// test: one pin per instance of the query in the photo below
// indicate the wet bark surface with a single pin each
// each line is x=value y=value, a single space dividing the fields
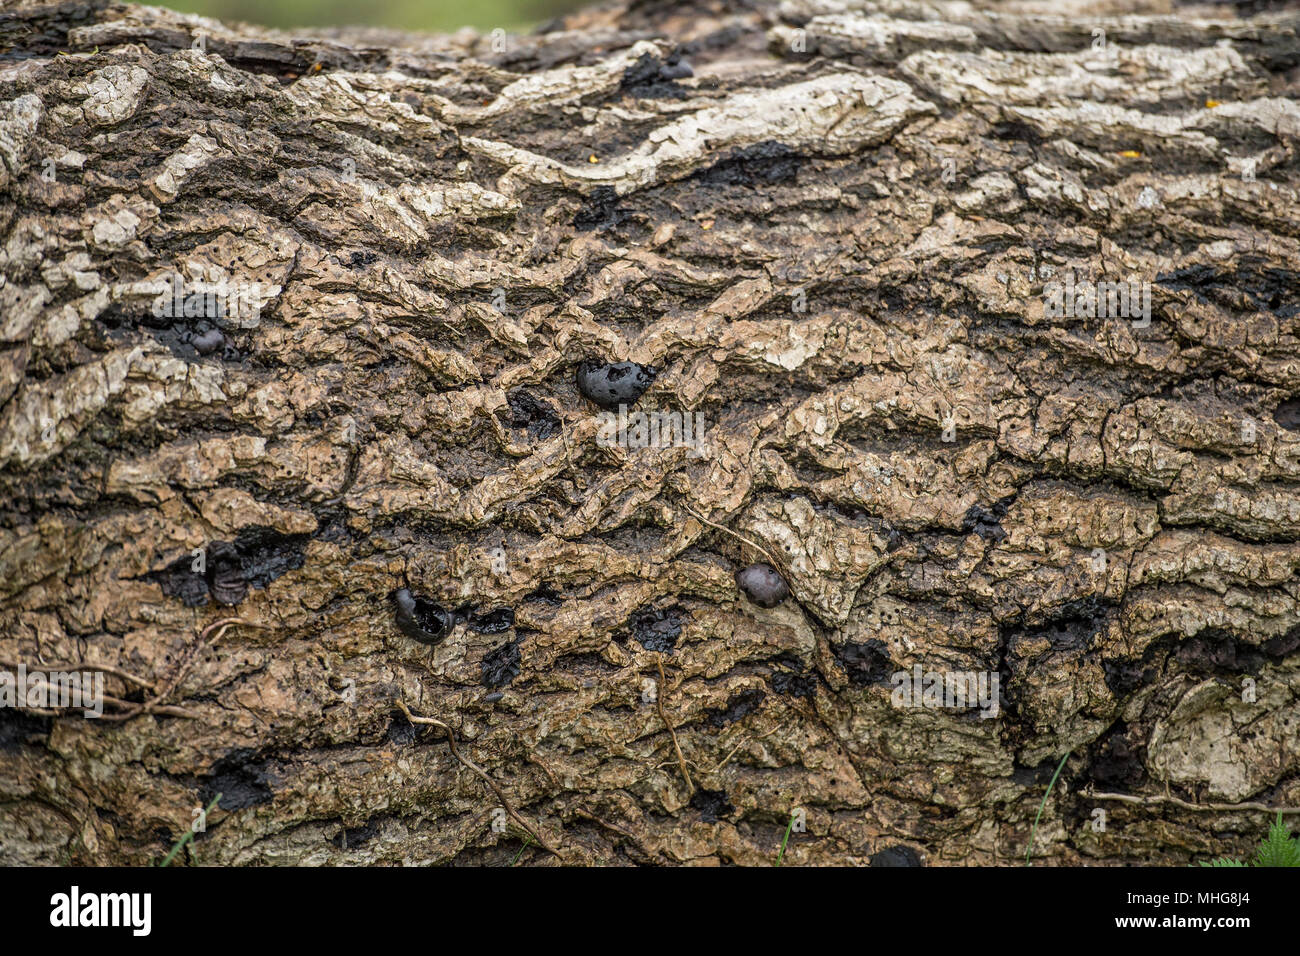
x=829 y=230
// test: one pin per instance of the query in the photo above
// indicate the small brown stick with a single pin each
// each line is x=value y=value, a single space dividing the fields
x=568 y=457
x=744 y=740
x=1206 y=807
x=127 y=707
x=155 y=704
x=102 y=668
x=659 y=702
x=455 y=751
x=735 y=534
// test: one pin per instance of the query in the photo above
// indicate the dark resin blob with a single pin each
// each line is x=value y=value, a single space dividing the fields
x=501 y=666
x=493 y=622
x=422 y=620
x=610 y=386
x=762 y=585
x=656 y=629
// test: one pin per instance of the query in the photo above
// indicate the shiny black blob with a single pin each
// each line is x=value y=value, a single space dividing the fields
x=207 y=342
x=762 y=585
x=896 y=856
x=224 y=572
x=610 y=386
x=501 y=666
x=493 y=622
x=422 y=620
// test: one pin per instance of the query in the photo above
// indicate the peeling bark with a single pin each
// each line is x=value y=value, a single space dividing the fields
x=835 y=239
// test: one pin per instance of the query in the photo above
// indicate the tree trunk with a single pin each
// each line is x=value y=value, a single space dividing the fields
x=291 y=322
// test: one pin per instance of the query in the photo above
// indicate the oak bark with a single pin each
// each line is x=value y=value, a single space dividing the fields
x=837 y=241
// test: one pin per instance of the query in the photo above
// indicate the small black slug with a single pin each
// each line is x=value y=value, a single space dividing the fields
x=896 y=856
x=675 y=68
x=422 y=620
x=762 y=585
x=207 y=342
x=610 y=386
x=224 y=571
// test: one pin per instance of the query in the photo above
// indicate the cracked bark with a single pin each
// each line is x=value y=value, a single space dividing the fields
x=833 y=241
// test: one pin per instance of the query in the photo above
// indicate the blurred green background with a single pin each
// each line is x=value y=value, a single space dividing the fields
x=430 y=16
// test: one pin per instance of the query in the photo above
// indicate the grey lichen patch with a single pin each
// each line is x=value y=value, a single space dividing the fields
x=1101 y=75
x=197 y=152
x=1202 y=743
x=110 y=96
x=551 y=88
x=831 y=115
x=881 y=39
x=19 y=119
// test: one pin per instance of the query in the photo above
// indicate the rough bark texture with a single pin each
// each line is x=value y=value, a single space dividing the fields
x=834 y=242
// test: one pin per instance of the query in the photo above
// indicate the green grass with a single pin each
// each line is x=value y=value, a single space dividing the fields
x=1034 y=832
x=780 y=854
x=189 y=834
x=521 y=851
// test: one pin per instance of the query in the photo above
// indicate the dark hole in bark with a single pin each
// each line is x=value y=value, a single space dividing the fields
x=348 y=839
x=494 y=621
x=536 y=416
x=545 y=595
x=1287 y=415
x=1118 y=759
x=866 y=663
x=712 y=804
x=738 y=708
x=763 y=164
x=656 y=629
x=18 y=728
x=240 y=778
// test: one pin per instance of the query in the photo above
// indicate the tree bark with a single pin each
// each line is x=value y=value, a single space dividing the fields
x=291 y=321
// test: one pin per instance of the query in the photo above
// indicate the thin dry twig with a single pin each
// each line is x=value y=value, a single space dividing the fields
x=1204 y=807
x=735 y=534
x=69 y=668
x=500 y=794
x=155 y=705
x=124 y=705
x=743 y=741
x=659 y=703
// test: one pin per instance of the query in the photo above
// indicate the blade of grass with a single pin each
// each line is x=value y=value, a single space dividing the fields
x=521 y=851
x=189 y=834
x=1034 y=832
x=785 y=839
